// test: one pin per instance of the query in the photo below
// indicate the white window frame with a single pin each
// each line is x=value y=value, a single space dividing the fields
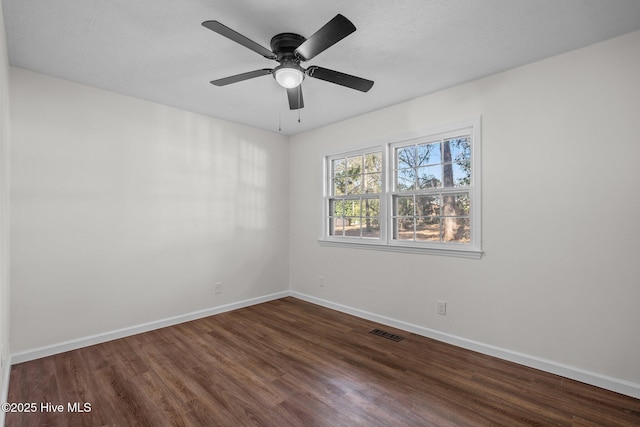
x=473 y=249
x=327 y=192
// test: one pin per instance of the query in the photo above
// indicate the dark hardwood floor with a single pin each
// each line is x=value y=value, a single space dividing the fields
x=292 y=363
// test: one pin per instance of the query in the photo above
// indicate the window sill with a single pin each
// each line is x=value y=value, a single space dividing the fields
x=449 y=251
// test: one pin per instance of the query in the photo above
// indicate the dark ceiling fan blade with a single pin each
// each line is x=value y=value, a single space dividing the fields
x=223 y=30
x=240 y=77
x=332 y=32
x=339 y=78
x=295 y=98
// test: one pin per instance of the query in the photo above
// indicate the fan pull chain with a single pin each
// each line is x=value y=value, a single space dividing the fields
x=299 y=93
x=279 y=109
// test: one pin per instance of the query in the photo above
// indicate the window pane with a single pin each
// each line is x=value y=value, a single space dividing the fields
x=404 y=206
x=336 y=226
x=428 y=229
x=371 y=227
x=372 y=183
x=352 y=227
x=373 y=162
x=455 y=205
x=354 y=184
x=458 y=152
x=460 y=148
x=462 y=173
x=337 y=208
x=405 y=157
x=371 y=208
x=449 y=207
x=422 y=155
x=352 y=207
x=338 y=167
x=447 y=175
x=428 y=205
x=403 y=228
x=406 y=179
x=430 y=176
x=428 y=154
x=456 y=230
x=462 y=204
x=436 y=153
x=339 y=186
x=354 y=165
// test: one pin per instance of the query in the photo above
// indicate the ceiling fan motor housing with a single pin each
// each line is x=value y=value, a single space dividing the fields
x=284 y=46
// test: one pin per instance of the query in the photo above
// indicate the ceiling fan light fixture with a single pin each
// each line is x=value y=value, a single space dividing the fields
x=288 y=77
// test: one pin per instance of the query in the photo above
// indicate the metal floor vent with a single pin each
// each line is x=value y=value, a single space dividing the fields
x=387 y=335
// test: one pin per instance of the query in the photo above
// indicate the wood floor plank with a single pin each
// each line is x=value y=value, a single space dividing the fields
x=291 y=363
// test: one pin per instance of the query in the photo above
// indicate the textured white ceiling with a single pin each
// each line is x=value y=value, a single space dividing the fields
x=158 y=50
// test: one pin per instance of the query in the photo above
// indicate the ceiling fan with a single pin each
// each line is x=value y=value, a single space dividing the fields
x=289 y=50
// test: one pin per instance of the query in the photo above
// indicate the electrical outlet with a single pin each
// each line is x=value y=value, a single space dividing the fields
x=442 y=307
x=321 y=280
x=217 y=288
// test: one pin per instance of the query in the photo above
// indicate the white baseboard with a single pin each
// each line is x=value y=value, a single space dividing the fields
x=45 y=351
x=603 y=381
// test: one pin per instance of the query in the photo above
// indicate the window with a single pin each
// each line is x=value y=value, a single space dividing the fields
x=431 y=190
x=355 y=188
x=420 y=193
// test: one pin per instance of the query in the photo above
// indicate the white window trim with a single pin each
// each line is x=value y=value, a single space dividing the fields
x=385 y=242
x=325 y=237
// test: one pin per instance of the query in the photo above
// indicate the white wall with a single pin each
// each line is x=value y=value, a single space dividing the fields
x=126 y=212
x=4 y=211
x=560 y=276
